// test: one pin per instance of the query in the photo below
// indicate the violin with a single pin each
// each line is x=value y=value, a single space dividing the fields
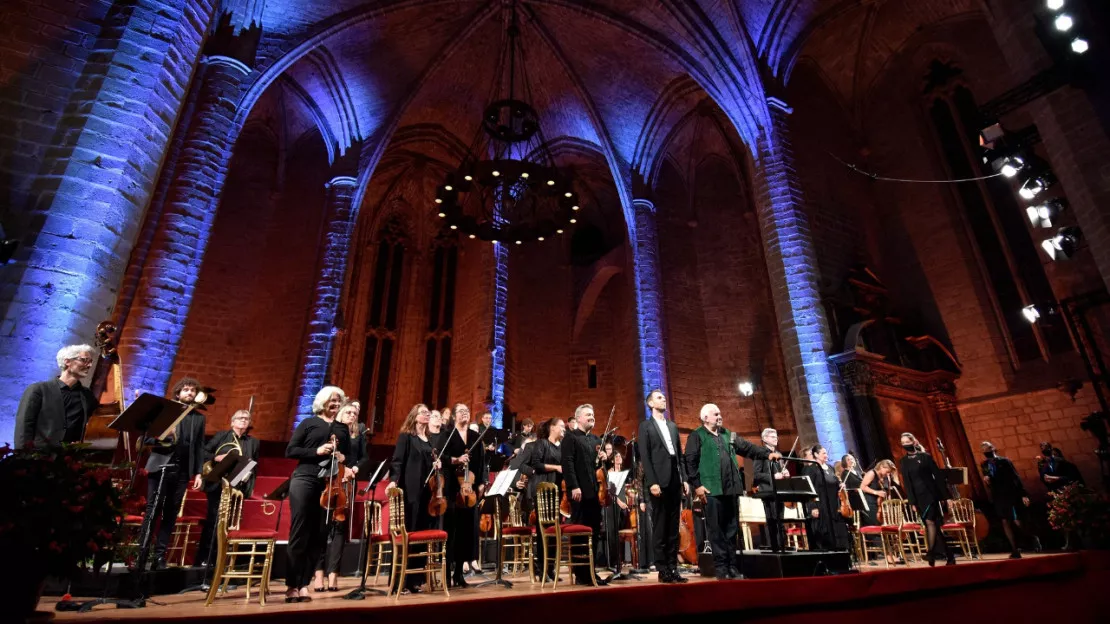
x=466 y=496
x=845 y=504
x=334 y=496
x=602 y=482
x=564 y=506
x=438 y=503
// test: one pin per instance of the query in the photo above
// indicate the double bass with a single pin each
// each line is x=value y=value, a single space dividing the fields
x=687 y=538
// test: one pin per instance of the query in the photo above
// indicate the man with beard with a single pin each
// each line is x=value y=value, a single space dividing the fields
x=56 y=411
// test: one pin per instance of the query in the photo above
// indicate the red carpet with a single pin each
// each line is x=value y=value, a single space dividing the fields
x=1059 y=588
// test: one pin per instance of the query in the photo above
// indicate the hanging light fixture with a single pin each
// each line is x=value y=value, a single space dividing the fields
x=508 y=187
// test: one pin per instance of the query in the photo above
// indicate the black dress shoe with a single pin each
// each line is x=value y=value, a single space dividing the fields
x=678 y=578
x=951 y=560
x=665 y=576
x=1016 y=554
x=721 y=576
x=461 y=583
x=734 y=573
x=159 y=563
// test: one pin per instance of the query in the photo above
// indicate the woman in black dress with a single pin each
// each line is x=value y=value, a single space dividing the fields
x=409 y=469
x=876 y=485
x=829 y=530
x=353 y=447
x=314 y=442
x=547 y=466
x=852 y=476
x=926 y=487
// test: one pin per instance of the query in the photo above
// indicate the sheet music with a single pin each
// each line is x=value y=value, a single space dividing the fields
x=244 y=474
x=501 y=484
x=617 y=479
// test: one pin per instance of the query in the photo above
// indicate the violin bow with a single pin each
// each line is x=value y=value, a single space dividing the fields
x=438 y=455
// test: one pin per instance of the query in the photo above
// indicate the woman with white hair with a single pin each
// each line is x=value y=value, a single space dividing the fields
x=314 y=442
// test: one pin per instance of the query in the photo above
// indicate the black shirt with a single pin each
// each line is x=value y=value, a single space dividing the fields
x=310 y=435
x=75 y=411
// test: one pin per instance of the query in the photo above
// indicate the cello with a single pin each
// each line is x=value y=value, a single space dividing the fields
x=687 y=540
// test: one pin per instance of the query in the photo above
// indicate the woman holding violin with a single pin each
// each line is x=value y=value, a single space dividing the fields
x=876 y=486
x=314 y=445
x=413 y=461
x=829 y=528
x=352 y=446
x=465 y=483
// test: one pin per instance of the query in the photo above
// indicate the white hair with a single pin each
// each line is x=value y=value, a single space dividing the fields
x=324 y=395
x=766 y=432
x=705 y=409
x=581 y=408
x=70 y=352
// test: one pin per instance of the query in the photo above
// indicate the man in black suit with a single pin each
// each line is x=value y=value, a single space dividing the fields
x=56 y=411
x=579 y=460
x=665 y=478
x=174 y=464
x=764 y=470
x=233 y=441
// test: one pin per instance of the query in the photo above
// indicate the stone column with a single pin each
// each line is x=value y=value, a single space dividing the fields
x=649 y=304
x=157 y=320
x=498 y=328
x=332 y=271
x=87 y=193
x=819 y=409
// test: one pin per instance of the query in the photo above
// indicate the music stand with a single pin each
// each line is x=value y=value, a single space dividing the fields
x=497 y=491
x=788 y=490
x=148 y=414
x=359 y=593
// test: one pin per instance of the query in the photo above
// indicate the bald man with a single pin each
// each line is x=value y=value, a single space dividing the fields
x=714 y=474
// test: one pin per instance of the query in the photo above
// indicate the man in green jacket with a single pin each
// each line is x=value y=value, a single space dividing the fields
x=714 y=475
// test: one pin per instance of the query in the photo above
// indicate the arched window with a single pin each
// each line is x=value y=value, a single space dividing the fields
x=382 y=321
x=441 y=320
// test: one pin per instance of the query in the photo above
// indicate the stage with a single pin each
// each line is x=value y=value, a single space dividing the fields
x=1065 y=587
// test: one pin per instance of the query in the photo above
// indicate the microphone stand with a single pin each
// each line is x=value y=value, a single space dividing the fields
x=359 y=593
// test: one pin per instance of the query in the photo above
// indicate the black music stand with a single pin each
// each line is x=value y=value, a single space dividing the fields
x=492 y=504
x=149 y=416
x=236 y=468
x=359 y=593
x=789 y=490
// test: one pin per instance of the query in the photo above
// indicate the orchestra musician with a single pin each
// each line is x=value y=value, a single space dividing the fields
x=465 y=456
x=714 y=474
x=763 y=471
x=580 y=463
x=233 y=441
x=829 y=528
x=546 y=461
x=926 y=487
x=854 y=477
x=176 y=463
x=876 y=487
x=665 y=478
x=313 y=443
x=409 y=468
x=353 y=447
x=616 y=516
x=1007 y=493
x=526 y=433
x=57 y=410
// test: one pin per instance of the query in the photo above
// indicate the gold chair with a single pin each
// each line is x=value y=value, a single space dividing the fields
x=961 y=526
x=434 y=540
x=891 y=530
x=866 y=546
x=912 y=532
x=241 y=554
x=183 y=533
x=516 y=541
x=372 y=530
x=796 y=537
x=555 y=534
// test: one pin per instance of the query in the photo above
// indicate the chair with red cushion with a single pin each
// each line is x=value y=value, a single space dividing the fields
x=516 y=541
x=186 y=530
x=555 y=535
x=379 y=541
x=961 y=526
x=911 y=533
x=434 y=555
x=241 y=554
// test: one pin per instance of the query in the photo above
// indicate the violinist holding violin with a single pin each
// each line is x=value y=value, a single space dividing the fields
x=829 y=530
x=412 y=462
x=876 y=486
x=465 y=483
x=714 y=474
x=580 y=468
x=313 y=444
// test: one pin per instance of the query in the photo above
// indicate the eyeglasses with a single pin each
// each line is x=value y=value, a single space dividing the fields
x=83 y=360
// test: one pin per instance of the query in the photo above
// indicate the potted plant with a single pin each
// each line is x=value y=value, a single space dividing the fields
x=58 y=512
x=1077 y=509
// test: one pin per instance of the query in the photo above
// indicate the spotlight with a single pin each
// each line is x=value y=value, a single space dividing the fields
x=1064 y=245
x=1064 y=22
x=1079 y=45
x=468 y=178
x=1033 y=187
x=558 y=231
x=551 y=182
x=448 y=188
x=746 y=388
x=574 y=220
x=442 y=215
x=568 y=194
x=1042 y=216
x=518 y=242
x=472 y=237
x=454 y=227
x=574 y=207
x=1011 y=165
x=496 y=173
x=540 y=238
x=1055 y=5
x=1031 y=313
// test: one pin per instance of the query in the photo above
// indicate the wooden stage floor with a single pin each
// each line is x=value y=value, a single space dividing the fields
x=642 y=600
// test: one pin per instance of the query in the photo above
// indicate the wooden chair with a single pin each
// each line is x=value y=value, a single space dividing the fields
x=434 y=541
x=961 y=526
x=241 y=554
x=555 y=535
x=185 y=530
x=379 y=540
x=516 y=541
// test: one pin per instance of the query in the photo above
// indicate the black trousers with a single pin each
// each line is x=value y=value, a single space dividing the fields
x=588 y=512
x=206 y=547
x=775 y=534
x=664 y=524
x=459 y=524
x=173 y=491
x=722 y=522
x=331 y=555
x=306 y=535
